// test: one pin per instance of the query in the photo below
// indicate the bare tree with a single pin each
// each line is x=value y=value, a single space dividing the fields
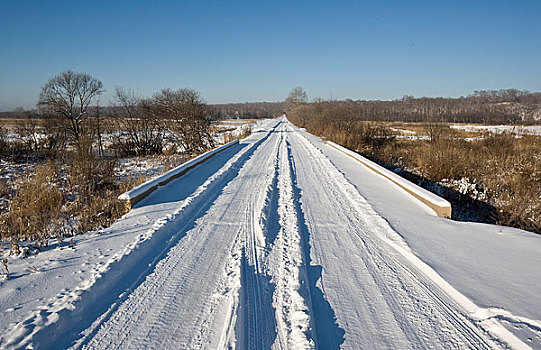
x=186 y=115
x=297 y=97
x=69 y=94
x=140 y=132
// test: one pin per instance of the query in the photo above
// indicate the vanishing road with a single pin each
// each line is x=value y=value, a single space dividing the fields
x=275 y=249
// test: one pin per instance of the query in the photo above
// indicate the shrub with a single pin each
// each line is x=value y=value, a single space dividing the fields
x=94 y=189
x=35 y=212
x=138 y=131
x=97 y=211
x=87 y=174
x=186 y=117
x=3 y=141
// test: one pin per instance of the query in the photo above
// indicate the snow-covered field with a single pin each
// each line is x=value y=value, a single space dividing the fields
x=146 y=167
x=279 y=242
x=406 y=134
x=227 y=128
x=498 y=129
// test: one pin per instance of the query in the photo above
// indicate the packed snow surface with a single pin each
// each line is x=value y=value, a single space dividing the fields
x=279 y=242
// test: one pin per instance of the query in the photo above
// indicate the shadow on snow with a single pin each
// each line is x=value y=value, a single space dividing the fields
x=328 y=334
x=256 y=322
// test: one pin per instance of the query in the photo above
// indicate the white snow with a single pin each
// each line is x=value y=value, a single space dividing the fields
x=145 y=166
x=280 y=241
x=404 y=131
x=163 y=179
x=498 y=129
x=396 y=179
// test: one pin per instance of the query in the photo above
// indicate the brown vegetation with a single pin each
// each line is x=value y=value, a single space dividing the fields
x=137 y=133
x=495 y=178
x=48 y=205
x=495 y=107
x=186 y=117
x=35 y=211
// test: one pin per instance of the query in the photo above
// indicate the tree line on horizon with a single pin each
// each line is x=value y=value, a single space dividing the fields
x=505 y=106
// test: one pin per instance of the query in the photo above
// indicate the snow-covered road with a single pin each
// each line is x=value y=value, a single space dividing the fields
x=274 y=248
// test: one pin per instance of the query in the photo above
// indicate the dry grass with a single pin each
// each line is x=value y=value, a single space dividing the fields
x=12 y=122
x=228 y=137
x=57 y=201
x=74 y=192
x=36 y=209
x=501 y=170
x=64 y=197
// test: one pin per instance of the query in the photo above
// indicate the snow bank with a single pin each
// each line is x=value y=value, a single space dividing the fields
x=436 y=203
x=135 y=195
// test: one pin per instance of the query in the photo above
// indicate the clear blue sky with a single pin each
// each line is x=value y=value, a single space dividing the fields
x=236 y=51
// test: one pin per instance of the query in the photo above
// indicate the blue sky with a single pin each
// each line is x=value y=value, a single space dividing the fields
x=237 y=51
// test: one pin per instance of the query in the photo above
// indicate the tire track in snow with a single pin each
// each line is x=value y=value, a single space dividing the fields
x=255 y=324
x=180 y=304
x=325 y=332
x=273 y=267
x=384 y=302
x=287 y=267
x=270 y=266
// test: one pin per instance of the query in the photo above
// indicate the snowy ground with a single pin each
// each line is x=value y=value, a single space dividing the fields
x=146 y=167
x=498 y=129
x=279 y=242
x=227 y=128
x=480 y=130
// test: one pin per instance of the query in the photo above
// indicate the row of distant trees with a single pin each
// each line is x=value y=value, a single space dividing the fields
x=247 y=110
x=486 y=106
x=260 y=109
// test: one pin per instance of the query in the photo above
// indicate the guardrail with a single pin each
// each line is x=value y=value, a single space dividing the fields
x=135 y=195
x=441 y=206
